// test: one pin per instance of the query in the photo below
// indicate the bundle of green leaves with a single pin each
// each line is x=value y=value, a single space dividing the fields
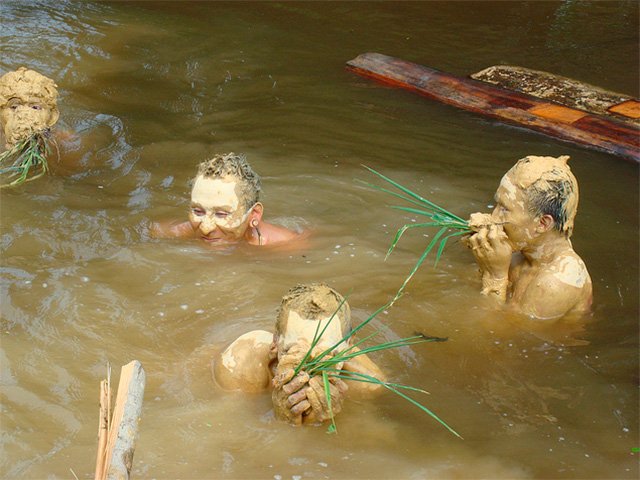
x=449 y=225
x=327 y=363
x=26 y=161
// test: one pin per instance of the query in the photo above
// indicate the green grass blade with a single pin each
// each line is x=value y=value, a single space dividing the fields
x=327 y=391
x=420 y=261
x=424 y=409
x=354 y=330
x=364 y=378
x=310 y=366
x=395 y=194
x=413 y=194
x=395 y=388
x=439 y=219
x=317 y=336
x=315 y=366
x=401 y=231
x=28 y=158
x=443 y=242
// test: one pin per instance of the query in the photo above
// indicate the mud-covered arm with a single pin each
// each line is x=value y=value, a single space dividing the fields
x=244 y=365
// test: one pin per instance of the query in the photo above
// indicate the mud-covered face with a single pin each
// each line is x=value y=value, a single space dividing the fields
x=298 y=328
x=24 y=115
x=511 y=210
x=217 y=214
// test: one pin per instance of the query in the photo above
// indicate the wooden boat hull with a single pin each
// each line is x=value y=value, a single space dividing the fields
x=550 y=87
x=547 y=117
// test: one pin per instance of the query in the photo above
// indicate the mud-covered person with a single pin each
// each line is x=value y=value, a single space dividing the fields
x=225 y=207
x=29 y=105
x=260 y=360
x=523 y=247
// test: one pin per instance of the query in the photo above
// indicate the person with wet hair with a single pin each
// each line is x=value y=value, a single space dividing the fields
x=28 y=105
x=523 y=247
x=260 y=360
x=225 y=207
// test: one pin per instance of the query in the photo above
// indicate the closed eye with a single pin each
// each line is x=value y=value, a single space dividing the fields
x=197 y=211
x=222 y=214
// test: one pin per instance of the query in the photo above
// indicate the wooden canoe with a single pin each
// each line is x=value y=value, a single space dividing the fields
x=570 y=124
x=565 y=91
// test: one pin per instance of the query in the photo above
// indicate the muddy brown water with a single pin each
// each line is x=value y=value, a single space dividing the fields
x=155 y=88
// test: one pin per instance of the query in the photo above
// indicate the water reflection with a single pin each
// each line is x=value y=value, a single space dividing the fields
x=156 y=88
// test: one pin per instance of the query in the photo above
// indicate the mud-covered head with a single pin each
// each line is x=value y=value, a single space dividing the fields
x=303 y=307
x=549 y=188
x=28 y=104
x=225 y=206
x=233 y=166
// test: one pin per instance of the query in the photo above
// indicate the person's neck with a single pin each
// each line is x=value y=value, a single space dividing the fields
x=546 y=248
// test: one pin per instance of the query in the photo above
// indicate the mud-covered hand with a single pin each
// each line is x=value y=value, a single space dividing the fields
x=492 y=251
x=317 y=398
x=298 y=398
x=289 y=396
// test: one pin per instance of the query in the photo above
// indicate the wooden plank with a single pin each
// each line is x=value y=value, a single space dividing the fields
x=557 y=112
x=560 y=90
x=103 y=427
x=630 y=108
x=586 y=129
x=123 y=432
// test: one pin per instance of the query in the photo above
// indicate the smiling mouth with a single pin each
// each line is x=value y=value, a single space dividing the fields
x=211 y=239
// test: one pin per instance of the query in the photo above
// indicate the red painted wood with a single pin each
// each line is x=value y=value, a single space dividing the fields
x=594 y=131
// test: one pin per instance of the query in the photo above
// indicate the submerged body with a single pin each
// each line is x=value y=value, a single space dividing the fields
x=28 y=114
x=260 y=360
x=225 y=207
x=523 y=247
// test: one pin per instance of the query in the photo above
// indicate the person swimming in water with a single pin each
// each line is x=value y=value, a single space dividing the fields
x=260 y=360
x=225 y=207
x=523 y=247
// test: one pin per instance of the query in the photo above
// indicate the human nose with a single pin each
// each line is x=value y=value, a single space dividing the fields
x=207 y=225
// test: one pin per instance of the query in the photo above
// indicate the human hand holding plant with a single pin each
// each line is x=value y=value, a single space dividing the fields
x=491 y=248
x=297 y=396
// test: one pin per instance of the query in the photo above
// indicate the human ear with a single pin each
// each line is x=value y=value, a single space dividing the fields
x=256 y=214
x=545 y=223
x=53 y=117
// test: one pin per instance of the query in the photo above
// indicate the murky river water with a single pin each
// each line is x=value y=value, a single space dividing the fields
x=156 y=88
